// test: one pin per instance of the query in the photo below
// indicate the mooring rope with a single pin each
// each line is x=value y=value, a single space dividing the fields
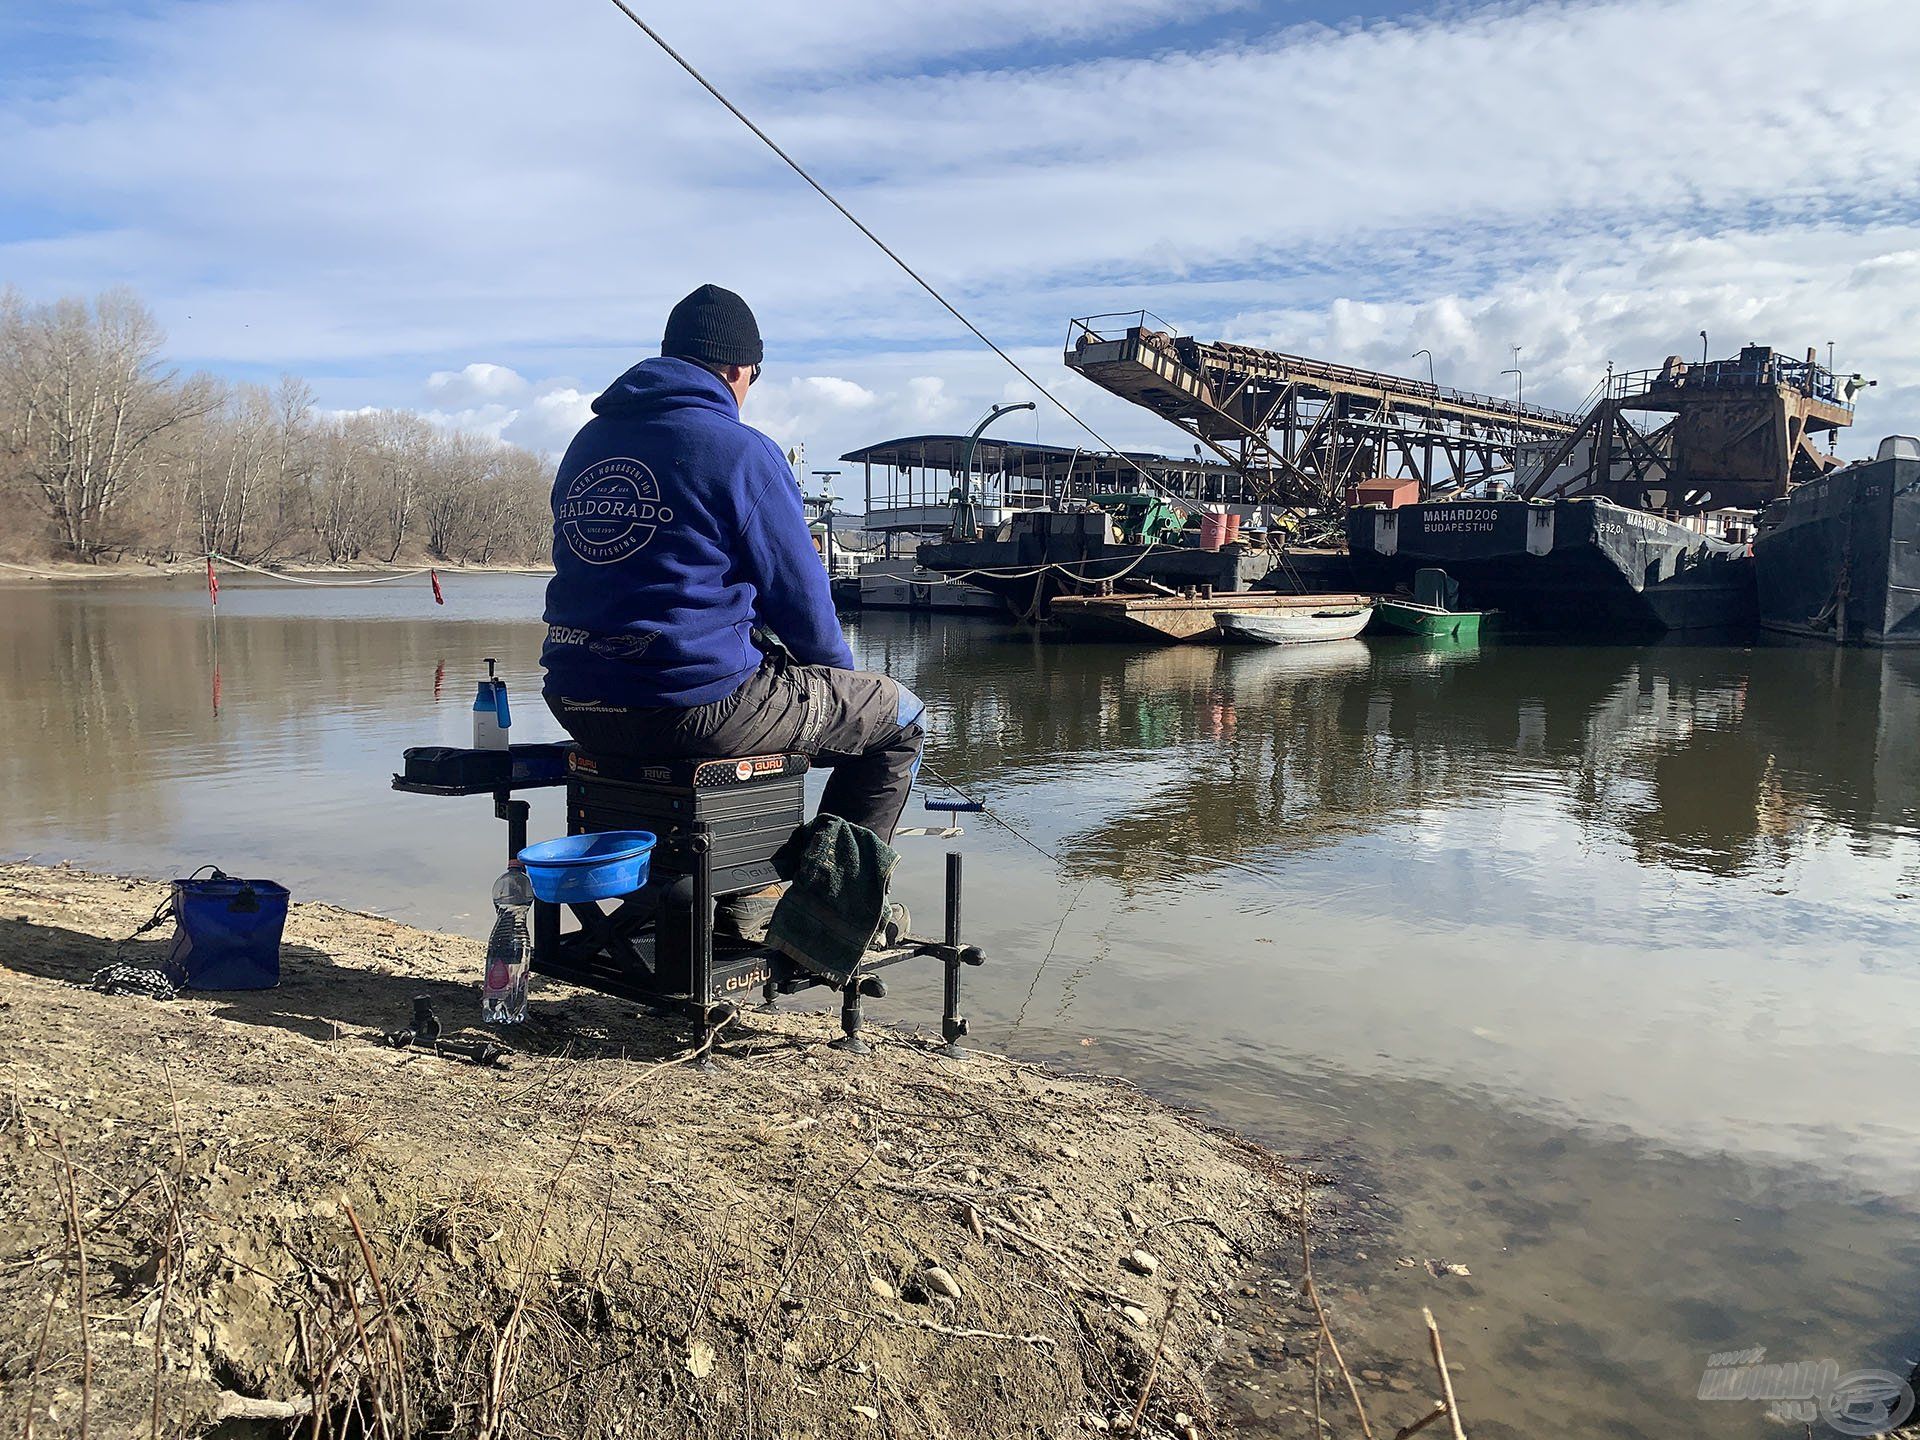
x=914 y=275
x=1065 y=567
x=318 y=584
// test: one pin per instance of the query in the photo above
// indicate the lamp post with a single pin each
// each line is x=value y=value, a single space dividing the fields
x=1519 y=403
x=1430 y=380
x=963 y=526
x=1703 y=347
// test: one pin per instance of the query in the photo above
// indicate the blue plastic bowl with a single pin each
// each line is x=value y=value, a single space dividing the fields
x=589 y=867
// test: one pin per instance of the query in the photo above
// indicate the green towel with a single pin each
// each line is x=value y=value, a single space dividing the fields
x=838 y=896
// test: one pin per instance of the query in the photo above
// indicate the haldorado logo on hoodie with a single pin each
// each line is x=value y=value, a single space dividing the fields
x=611 y=510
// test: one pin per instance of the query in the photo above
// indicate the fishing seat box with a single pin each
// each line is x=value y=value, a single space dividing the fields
x=750 y=806
x=647 y=945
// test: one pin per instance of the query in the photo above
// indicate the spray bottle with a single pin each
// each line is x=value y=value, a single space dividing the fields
x=491 y=719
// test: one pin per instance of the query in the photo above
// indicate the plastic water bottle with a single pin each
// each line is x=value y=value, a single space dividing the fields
x=503 y=999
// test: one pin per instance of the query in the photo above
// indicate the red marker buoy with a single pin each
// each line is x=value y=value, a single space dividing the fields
x=434 y=577
x=213 y=584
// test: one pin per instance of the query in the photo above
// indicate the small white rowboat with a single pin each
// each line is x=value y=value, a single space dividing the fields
x=1296 y=627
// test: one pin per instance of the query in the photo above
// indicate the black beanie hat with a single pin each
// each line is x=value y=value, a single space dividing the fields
x=714 y=327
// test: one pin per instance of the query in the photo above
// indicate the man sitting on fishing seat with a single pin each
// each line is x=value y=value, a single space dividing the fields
x=680 y=546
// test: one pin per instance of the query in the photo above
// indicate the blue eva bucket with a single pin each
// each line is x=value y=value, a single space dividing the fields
x=227 y=933
x=589 y=867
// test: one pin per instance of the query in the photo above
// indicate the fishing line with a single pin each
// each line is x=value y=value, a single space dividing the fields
x=992 y=815
x=1179 y=501
x=1058 y=864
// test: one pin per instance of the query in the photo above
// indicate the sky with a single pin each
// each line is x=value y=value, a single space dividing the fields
x=482 y=210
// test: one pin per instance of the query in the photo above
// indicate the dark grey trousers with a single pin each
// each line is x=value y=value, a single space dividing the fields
x=865 y=727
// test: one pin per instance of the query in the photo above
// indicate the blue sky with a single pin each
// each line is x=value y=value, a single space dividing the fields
x=482 y=209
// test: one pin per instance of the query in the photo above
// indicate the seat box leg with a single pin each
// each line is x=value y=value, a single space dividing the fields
x=851 y=1014
x=953 y=1025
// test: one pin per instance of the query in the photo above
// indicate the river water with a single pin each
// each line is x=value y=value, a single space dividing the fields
x=1597 y=965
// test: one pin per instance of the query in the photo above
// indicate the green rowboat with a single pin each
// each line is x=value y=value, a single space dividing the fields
x=1429 y=620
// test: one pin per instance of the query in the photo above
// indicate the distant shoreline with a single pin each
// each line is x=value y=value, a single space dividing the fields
x=66 y=570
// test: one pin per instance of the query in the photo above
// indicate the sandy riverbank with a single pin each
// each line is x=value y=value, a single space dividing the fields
x=593 y=1240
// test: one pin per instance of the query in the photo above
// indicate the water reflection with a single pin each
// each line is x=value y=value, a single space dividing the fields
x=1708 y=760
x=1592 y=959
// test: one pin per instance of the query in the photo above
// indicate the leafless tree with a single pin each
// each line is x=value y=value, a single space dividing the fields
x=103 y=448
x=87 y=396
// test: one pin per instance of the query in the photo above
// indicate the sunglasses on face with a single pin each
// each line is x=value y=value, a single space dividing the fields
x=753 y=375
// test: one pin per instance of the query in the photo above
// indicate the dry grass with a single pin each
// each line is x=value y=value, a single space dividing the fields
x=592 y=1239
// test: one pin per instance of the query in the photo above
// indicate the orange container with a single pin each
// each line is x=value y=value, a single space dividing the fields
x=1390 y=493
x=1213 y=530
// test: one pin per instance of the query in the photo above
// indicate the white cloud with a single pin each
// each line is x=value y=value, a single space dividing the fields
x=1504 y=188
x=831 y=390
x=548 y=423
x=478 y=381
x=928 y=400
x=488 y=421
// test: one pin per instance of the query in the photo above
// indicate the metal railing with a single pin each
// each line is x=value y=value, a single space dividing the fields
x=1743 y=373
x=1133 y=324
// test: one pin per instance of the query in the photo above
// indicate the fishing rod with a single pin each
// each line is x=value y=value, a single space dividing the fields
x=973 y=806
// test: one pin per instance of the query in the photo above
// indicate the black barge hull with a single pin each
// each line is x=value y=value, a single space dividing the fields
x=1838 y=558
x=1582 y=566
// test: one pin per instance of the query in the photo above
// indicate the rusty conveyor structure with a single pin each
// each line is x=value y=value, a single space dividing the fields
x=1722 y=433
x=1305 y=431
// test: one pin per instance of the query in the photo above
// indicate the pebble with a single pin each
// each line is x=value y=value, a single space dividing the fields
x=880 y=1288
x=1135 y=1314
x=941 y=1282
x=1141 y=1263
x=865 y=1412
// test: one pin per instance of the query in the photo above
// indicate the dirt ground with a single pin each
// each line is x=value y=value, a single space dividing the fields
x=288 y=1226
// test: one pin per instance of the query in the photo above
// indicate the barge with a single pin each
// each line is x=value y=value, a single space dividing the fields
x=1838 y=559
x=1020 y=523
x=1578 y=565
x=1038 y=556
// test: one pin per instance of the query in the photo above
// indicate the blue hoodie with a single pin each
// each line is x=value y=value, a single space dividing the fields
x=676 y=529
